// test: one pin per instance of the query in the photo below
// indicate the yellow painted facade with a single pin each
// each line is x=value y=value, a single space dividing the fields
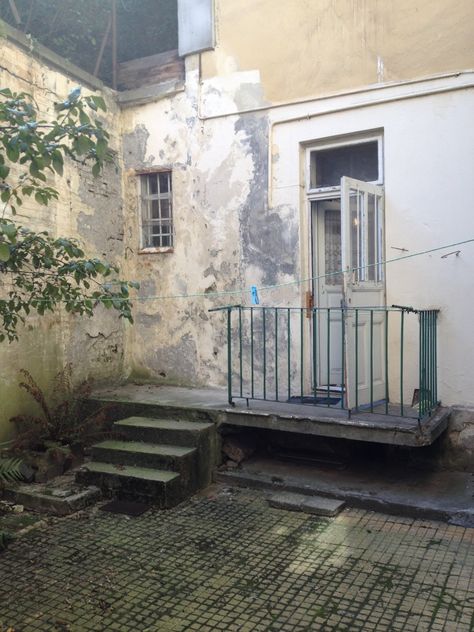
x=305 y=48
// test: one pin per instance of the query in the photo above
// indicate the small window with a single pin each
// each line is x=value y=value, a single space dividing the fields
x=359 y=161
x=156 y=210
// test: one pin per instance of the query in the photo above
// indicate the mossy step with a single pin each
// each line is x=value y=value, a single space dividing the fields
x=164 y=424
x=139 y=447
x=181 y=459
x=130 y=471
x=165 y=431
x=127 y=481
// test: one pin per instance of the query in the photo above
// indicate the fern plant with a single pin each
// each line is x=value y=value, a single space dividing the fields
x=10 y=470
x=61 y=420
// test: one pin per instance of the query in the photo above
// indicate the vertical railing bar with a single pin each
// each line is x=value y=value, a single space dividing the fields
x=252 y=367
x=436 y=358
x=264 y=331
x=315 y=350
x=421 y=350
x=329 y=354
x=428 y=362
x=301 y=351
x=386 y=361
x=357 y=359
x=431 y=362
x=240 y=350
x=402 y=333
x=276 y=353
x=229 y=356
x=288 y=325
x=371 y=360
x=343 y=381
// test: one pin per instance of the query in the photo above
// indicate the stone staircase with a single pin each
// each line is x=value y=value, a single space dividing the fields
x=163 y=460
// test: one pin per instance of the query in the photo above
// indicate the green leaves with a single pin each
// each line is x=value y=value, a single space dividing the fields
x=45 y=273
x=40 y=147
x=4 y=252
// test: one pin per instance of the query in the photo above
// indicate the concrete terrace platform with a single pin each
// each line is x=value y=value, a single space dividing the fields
x=212 y=405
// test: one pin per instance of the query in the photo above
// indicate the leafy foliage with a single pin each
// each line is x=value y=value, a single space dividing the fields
x=10 y=470
x=38 y=271
x=61 y=421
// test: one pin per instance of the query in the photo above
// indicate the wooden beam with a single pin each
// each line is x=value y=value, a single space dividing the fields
x=15 y=12
x=102 y=47
x=114 y=44
x=30 y=15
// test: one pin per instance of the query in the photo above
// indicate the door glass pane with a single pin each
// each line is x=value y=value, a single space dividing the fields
x=372 y=249
x=332 y=247
x=357 y=235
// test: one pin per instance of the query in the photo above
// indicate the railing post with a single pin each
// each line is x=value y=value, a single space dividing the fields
x=371 y=360
x=343 y=355
x=252 y=370
x=402 y=333
x=436 y=357
x=264 y=331
x=301 y=353
x=276 y=353
x=240 y=351
x=356 y=385
x=386 y=361
x=315 y=350
x=329 y=356
x=229 y=355
x=421 y=387
x=288 y=338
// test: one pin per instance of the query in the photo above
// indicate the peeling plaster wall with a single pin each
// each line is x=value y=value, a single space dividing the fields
x=227 y=236
x=213 y=169
x=304 y=48
x=241 y=212
x=89 y=209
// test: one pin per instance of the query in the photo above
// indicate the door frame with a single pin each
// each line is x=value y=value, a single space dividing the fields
x=334 y=192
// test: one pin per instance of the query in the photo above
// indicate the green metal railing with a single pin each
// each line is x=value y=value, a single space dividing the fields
x=356 y=359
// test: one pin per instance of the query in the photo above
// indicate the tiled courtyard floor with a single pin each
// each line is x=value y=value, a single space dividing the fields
x=229 y=562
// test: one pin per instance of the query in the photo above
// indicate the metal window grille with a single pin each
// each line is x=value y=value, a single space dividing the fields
x=157 y=210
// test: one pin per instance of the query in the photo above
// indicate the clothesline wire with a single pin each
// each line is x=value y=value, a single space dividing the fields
x=266 y=288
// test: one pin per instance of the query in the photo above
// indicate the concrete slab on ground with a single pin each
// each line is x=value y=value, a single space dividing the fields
x=446 y=496
x=317 y=505
x=60 y=496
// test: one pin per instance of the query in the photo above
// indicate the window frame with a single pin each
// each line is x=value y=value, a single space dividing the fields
x=140 y=174
x=316 y=193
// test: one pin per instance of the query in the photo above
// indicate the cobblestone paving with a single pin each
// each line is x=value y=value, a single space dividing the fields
x=229 y=562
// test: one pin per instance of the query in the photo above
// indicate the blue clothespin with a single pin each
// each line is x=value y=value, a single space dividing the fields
x=254 y=295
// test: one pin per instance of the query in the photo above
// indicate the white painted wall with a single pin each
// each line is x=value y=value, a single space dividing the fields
x=429 y=162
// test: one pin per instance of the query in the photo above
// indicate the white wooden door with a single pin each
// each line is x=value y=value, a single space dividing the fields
x=362 y=234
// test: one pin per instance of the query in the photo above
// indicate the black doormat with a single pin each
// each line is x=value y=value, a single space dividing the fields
x=126 y=507
x=320 y=401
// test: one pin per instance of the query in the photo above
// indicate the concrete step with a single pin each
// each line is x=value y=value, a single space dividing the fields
x=150 y=455
x=126 y=481
x=164 y=431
